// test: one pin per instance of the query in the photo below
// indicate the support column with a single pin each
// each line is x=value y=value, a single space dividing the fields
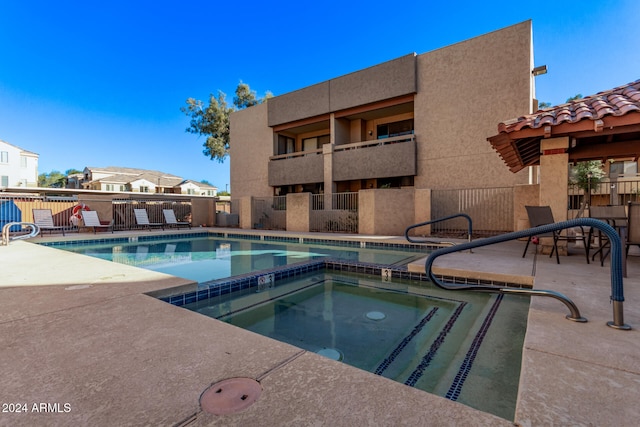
x=554 y=180
x=329 y=186
x=298 y=212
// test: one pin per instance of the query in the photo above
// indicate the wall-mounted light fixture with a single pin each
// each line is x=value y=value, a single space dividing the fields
x=538 y=71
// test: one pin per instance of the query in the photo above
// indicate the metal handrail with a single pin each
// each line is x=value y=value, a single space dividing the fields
x=433 y=221
x=6 y=237
x=617 y=294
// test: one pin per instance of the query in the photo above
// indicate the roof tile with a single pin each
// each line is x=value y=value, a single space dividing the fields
x=616 y=102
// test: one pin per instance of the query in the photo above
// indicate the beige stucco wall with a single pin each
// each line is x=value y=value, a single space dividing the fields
x=524 y=195
x=464 y=91
x=251 y=147
x=382 y=81
x=386 y=211
x=298 y=211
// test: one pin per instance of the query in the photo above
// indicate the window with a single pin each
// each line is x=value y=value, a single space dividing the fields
x=109 y=187
x=389 y=130
x=286 y=144
x=23 y=161
x=144 y=189
x=4 y=181
x=623 y=168
x=315 y=143
x=4 y=157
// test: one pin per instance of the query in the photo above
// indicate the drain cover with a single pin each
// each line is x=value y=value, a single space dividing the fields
x=376 y=315
x=331 y=353
x=230 y=396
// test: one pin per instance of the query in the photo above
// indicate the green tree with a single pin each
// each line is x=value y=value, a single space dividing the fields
x=212 y=120
x=543 y=105
x=53 y=179
x=587 y=175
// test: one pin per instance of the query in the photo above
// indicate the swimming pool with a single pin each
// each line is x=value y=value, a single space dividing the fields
x=204 y=258
x=464 y=346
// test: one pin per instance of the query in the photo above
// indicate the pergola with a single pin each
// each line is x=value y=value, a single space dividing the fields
x=601 y=126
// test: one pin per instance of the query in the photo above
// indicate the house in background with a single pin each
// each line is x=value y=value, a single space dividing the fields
x=120 y=179
x=18 y=167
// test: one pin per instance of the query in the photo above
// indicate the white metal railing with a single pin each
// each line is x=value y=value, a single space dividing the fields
x=374 y=143
x=6 y=232
x=124 y=217
x=296 y=154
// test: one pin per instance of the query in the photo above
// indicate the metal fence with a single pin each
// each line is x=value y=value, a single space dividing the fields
x=342 y=217
x=269 y=213
x=19 y=208
x=124 y=217
x=491 y=210
x=610 y=191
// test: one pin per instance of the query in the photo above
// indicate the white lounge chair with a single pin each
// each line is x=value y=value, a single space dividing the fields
x=142 y=219
x=170 y=219
x=44 y=219
x=91 y=220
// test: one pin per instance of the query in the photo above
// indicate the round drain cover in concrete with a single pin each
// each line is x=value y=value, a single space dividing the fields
x=376 y=315
x=331 y=353
x=230 y=396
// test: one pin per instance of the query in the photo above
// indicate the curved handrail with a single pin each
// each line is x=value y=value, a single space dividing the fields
x=617 y=294
x=6 y=236
x=444 y=218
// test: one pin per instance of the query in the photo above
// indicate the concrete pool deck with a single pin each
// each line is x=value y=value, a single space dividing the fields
x=80 y=336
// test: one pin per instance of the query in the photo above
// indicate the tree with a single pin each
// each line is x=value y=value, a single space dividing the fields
x=587 y=175
x=543 y=105
x=53 y=179
x=212 y=120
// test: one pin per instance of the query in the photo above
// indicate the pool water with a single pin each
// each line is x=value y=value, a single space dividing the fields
x=204 y=259
x=464 y=346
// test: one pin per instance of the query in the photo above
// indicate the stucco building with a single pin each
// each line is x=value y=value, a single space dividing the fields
x=417 y=122
x=18 y=167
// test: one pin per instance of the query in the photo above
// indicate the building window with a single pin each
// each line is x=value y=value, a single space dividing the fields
x=315 y=143
x=4 y=181
x=4 y=157
x=628 y=168
x=144 y=189
x=23 y=161
x=389 y=130
x=286 y=144
x=109 y=187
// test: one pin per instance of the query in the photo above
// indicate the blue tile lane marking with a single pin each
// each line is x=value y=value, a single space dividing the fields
x=435 y=346
x=463 y=372
x=416 y=330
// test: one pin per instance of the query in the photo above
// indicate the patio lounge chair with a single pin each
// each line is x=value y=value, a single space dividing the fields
x=142 y=219
x=44 y=219
x=170 y=219
x=91 y=220
x=542 y=215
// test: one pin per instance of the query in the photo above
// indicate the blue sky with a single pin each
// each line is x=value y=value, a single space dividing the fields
x=101 y=83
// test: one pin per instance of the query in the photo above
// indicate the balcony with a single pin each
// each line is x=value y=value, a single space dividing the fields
x=381 y=158
x=303 y=167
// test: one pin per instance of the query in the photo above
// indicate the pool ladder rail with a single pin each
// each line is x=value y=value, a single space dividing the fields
x=6 y=233
x=617 y=293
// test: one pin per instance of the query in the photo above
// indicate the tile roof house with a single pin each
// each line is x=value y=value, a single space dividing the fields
x=113 y=178
x=600 y=126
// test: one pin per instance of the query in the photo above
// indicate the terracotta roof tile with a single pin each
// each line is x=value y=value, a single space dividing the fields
x=615 y=102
